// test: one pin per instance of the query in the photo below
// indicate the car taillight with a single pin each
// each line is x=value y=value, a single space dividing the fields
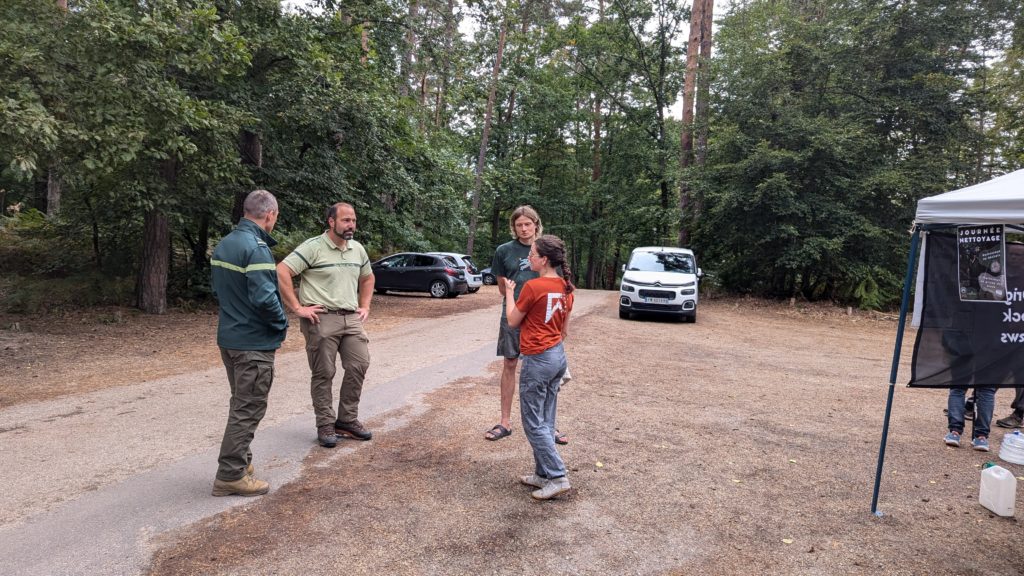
x=451 y=272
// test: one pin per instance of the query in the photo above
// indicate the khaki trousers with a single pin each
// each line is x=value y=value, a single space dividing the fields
x=250 y=374
x=333 y=335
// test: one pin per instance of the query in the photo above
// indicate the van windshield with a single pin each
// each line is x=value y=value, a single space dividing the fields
x=662 y=262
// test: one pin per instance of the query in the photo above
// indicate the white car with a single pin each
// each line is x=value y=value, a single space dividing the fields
x=473 y=276
x=660 y=280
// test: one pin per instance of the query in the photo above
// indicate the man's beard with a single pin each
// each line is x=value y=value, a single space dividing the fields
x=345 y=234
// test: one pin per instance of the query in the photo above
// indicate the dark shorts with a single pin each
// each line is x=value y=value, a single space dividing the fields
x=508 y=340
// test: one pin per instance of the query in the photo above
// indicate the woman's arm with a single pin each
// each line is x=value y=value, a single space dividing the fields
x=512 y=314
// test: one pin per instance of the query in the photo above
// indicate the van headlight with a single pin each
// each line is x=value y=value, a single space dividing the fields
x=627 y=288
x=687 y=291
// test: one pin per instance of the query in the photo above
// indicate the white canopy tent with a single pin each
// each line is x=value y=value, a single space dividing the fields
x=997 y=201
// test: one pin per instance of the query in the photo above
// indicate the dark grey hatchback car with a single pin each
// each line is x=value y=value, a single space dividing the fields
x=416 y=272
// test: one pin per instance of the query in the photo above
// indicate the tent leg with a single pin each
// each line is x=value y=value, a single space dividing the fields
x=914 y=240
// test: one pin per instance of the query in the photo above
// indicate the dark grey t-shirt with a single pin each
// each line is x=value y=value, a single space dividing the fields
x=511 y=260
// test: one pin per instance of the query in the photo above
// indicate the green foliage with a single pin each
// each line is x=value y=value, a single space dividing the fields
x=34 y=295
x=829 y=120
x=32 y=245
x=831 y=125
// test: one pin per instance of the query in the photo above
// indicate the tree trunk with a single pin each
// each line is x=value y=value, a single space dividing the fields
x=250 y=149
x=478 y=184
x=440 y=118
x=686 y=133
x=364 y=42
x=495 y=223
x=703 y=87
x=405 y=70
x=201 y=244
x=97 y=256
x=53 y=183
x=616 y=264
x=156 y=250
x=156 y=243
x=53 y=189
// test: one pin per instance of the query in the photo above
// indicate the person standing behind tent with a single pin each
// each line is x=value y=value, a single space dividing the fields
x=962 y=369
x=1016 y=417
x=251 y=326
x=542 y=314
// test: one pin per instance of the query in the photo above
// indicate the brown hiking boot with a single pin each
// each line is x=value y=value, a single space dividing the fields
x=326 y=437
x=244 y=486
x=1012 y=421
x=353 y=429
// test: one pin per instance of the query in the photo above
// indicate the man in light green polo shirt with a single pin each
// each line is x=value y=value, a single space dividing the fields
x=333 y=302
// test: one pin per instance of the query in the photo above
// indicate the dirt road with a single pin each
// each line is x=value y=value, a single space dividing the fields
x=743 y=444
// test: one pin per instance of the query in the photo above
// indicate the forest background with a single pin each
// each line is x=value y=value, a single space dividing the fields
x=131 y=130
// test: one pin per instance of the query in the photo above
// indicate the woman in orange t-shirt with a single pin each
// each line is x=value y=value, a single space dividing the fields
x=542 y=314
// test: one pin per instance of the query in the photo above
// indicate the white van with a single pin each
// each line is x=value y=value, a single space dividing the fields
x=660 y=280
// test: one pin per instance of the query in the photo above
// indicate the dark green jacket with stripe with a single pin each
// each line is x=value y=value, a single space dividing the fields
x=245 y=282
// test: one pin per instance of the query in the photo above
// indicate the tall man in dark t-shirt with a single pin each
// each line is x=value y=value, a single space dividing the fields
x=511 y=261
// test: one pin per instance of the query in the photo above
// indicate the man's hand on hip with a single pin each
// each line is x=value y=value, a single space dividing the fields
x=310 y=312
x=364 y=313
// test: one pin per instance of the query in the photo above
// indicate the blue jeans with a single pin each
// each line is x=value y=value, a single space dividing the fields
x=984 y=401
x=539 y=380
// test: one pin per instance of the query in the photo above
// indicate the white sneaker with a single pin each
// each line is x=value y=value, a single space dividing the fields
x=533 y=480
x=552 y=488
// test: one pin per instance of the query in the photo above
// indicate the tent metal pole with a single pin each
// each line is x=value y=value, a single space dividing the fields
x=904 y=304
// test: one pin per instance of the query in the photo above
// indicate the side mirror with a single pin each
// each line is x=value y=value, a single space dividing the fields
x=700 y=273
x=623 y=267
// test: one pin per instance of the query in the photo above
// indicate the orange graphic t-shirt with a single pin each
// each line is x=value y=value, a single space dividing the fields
x=547 y=308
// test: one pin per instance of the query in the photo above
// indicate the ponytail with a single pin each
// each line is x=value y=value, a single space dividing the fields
x=567 y=276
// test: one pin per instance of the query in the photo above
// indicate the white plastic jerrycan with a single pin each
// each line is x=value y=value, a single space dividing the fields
x=998 y=490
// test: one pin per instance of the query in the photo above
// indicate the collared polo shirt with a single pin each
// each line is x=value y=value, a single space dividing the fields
x=329 y=275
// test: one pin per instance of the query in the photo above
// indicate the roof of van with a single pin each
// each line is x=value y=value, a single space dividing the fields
x=663 y=249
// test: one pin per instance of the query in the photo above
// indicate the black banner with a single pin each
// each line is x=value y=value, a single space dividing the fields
x=968 y=342
x=980 y=252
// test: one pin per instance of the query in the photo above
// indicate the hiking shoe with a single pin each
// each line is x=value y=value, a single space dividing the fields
x=953 y=439
x=554 y=487
x=533 y=480
x=244 y=486
x=353 y=429
x=1012 y=421
x=250 y=470
x=326 y=437
x=980 y=444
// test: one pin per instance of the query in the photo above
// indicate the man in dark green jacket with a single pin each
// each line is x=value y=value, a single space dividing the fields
x=251 y=327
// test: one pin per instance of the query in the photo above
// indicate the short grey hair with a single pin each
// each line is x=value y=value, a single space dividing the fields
x=259 y=203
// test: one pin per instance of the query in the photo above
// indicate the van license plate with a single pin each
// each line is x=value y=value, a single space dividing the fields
x=656 y=300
